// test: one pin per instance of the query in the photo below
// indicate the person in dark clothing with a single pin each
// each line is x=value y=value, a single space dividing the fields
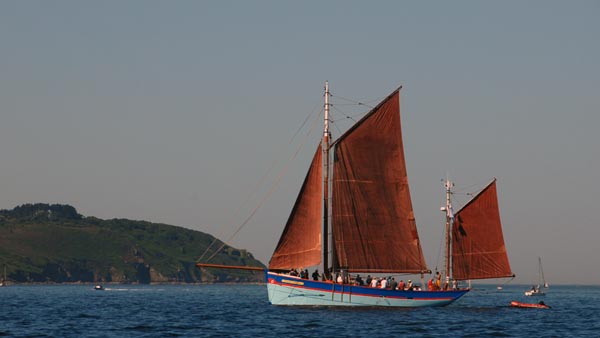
x=359 y=280
x=315 y=275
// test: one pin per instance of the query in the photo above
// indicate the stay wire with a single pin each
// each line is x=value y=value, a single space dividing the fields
x=273 y=187
x=358 y=103
x=265 y=198
x=262 y=179
x=346 y=116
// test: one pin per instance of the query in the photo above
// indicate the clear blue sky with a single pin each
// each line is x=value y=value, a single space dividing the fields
x=172 y=111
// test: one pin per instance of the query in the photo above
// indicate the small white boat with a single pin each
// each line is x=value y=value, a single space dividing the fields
x=99 y=287
x=537 y=290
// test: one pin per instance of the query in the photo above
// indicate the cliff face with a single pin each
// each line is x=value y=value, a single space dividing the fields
x=53 y=243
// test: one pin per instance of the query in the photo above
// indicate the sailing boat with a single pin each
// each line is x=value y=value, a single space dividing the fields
x=537 y=290
x=371 y=228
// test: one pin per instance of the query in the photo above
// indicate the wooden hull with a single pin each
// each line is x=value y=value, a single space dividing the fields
x=288 y=290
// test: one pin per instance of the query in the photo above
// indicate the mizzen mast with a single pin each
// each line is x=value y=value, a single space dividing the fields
x=449 y=221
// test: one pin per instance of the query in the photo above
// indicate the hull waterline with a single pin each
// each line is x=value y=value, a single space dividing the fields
x=288 y=290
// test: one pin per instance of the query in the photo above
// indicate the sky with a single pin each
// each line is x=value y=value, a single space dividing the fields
x=188 y=112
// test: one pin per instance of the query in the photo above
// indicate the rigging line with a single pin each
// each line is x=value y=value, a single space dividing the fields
x=355 y=102
x=346 y=115
x=306 y=120
x=346 y=118
x=268 y=194
x=336 y=127
x=470 y=187
x=465 y=197
x=259 y=184
x=347 y=104
x=508 y=281
x=437 y=262
x=264 y=177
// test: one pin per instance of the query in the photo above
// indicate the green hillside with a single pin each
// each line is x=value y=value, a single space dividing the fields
x=53 y=243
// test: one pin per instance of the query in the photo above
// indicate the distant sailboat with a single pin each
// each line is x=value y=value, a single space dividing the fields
x=536 y=290
x=372 y=226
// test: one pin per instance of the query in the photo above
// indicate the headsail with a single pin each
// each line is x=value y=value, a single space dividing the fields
x=478 y=249
x=374 y=227
x=301 y=240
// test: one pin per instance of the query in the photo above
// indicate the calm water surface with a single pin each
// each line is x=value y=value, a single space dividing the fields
x=243 y=311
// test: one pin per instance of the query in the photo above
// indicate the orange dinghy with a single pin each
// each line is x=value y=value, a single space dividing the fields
x=539 y=305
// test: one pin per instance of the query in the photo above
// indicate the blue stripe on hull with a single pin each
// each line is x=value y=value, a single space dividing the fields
x=289 y=290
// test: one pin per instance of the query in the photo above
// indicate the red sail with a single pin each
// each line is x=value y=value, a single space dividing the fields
x=374 y=226
x=478 y=250
x=300 y=243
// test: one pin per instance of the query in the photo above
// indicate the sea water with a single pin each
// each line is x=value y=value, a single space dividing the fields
x=244 y=311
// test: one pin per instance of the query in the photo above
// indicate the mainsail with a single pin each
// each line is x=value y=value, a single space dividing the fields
x=301 y=240
x=373 y=223
x=478 y=249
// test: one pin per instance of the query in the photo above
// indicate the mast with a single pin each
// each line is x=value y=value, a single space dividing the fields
x=449 y=220
x=326 y=137
x=541 y=273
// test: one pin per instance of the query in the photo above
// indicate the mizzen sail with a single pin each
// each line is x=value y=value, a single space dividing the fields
x=373 y=223
x=478 y=249
x=301 y=240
